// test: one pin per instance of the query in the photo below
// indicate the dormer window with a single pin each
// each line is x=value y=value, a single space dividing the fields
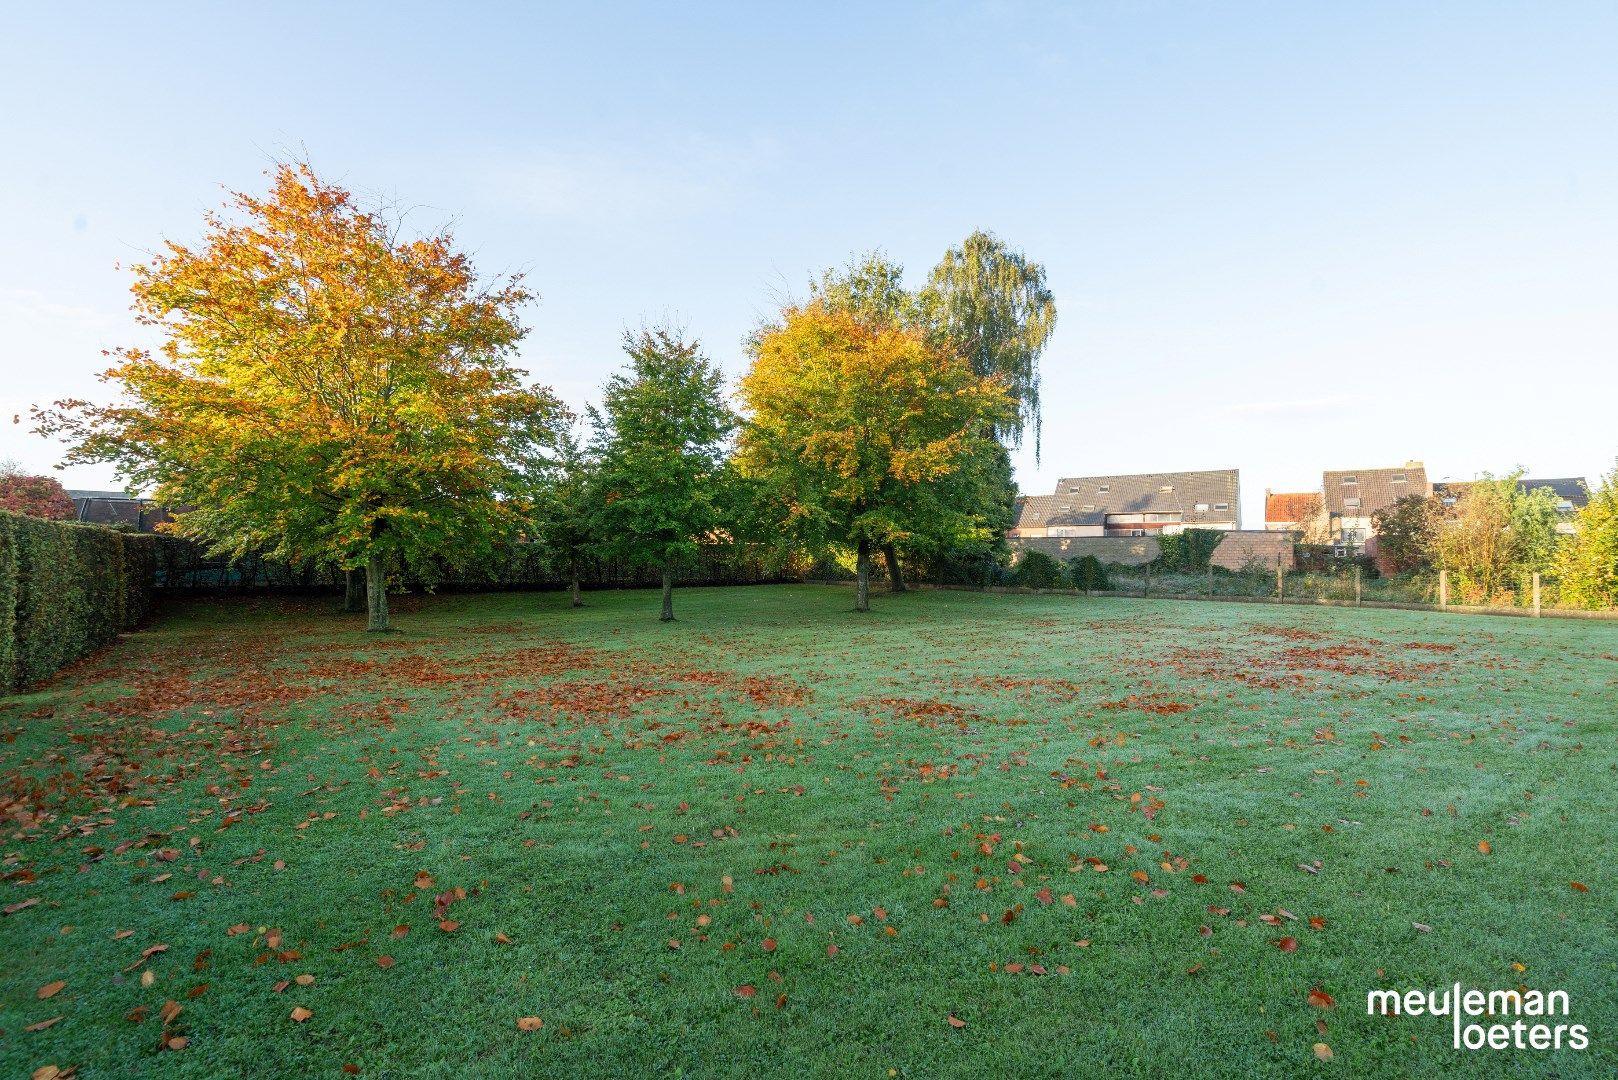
x=1398 y=478
x=1202 y=508
x=1089 y=506
x=1351 y=479
x=1351 y=504
x=1104 y=488
x=1221 y=506
x=1072 y=491
x=1166 y=488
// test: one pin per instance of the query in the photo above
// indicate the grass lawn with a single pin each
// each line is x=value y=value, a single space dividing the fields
x=779 y=838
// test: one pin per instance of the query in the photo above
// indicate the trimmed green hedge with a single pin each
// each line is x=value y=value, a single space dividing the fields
x=65 y=590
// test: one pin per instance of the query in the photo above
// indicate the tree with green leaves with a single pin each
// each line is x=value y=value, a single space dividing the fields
x=852 y=425
x=566 y=509
x=1497 y=531
x=1407 y=532
x=328 y=389
x=660 y=438
x=1588 y=560
x=993 y=306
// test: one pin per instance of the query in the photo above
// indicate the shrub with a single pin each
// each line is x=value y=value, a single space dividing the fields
x=1037 y=570
x=1188 y=551
x=1088 y=573
x=65 y=590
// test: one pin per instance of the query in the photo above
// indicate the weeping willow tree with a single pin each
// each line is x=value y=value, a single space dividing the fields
x=994 y=307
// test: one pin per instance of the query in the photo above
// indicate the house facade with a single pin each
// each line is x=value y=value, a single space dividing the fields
x=1353 y=496
x=1139 y=504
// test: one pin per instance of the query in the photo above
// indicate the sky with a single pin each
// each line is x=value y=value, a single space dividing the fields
x=1282 y=237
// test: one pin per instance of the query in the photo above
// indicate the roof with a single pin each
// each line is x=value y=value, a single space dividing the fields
x=1375 y=489
x=1032 y=511
x=122 y=496
x=1288 y=506
x=1571 y=488
x=1086 y=500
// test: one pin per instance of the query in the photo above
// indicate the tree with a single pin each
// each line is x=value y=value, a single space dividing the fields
x=566 y=509
x=660 y=440
x=35 y=496
x=328 y=389
x=852 y=424
x=1495 y=532
x=992 y=304
x=1588 y=561
x=1407 y=532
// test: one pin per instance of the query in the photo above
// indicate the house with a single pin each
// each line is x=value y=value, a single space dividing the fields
x=1353 y=496
x=1290 y=511
x=117 y=508
x=1141 y=504
x=1572 y=494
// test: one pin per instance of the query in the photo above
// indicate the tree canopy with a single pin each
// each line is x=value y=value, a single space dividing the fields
x=660 y=439
x=1588 y=560
x=326 y=389
x=991 y=302
x=852 y=423
x=35 y=496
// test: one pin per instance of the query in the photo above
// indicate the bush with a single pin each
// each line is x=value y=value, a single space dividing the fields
x=65 y=590
x=1088 y=573
x=1037 y=570
x=1187 y=552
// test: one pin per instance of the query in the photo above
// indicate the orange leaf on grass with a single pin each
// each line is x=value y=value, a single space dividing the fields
x=50 y=989
x=529 y=1023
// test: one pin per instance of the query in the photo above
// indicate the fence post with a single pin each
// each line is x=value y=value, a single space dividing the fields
x=1146 y=582
x=1280 y=579
x=1210 y=581
x=1443 y=588
x=1356 y=586
x=1536 y=594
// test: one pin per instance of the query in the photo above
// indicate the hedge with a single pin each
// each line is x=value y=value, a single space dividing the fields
x=65 y=590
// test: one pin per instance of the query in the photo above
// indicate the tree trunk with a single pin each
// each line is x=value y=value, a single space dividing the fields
x=895 y=573
x=578 y=601
x=862 y=574
x=354 y=598
x=376 y=596
x=668 y=595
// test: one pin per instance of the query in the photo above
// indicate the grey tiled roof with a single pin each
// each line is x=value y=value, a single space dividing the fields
x=1374 y=488
x=1168 y=492
x=1033 y=510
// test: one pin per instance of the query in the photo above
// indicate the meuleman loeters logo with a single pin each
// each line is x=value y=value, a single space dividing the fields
x=1494 y=1005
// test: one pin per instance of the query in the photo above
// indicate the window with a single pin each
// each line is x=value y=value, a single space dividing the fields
x=1166 y=488
x=1072 y=491
x=1104 y=488
x=1351 y=504
x=1397 y=478
x=1089 y=506
x=1351 y=479
x=1449 y=500
x=1202 y=508
x=1564 y=505
x=1221 y=506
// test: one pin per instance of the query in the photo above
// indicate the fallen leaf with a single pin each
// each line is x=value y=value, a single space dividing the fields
x=384 y=962
x=300 y=1014
x=1321 y=1000
x=1322 y=1051
x=50 y=989
x=529 y=1023
x=1286 y=944
x=746 y=990
x=42 y=1025
x=956 y=1021
x=304 y=980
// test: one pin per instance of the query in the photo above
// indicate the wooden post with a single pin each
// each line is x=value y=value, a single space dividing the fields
x=1210 y=581
x=1356 y=586
x=1280 y=579
x=1443 y=588
x=1536 y=594
x=1146 y=582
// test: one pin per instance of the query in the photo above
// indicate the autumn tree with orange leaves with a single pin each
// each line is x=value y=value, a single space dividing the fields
x=327 y=389
x=852 y=425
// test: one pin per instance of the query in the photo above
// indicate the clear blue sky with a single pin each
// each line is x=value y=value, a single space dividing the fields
x=1283 y=237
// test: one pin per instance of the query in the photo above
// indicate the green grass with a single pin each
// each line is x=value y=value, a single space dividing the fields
x=590 y=779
